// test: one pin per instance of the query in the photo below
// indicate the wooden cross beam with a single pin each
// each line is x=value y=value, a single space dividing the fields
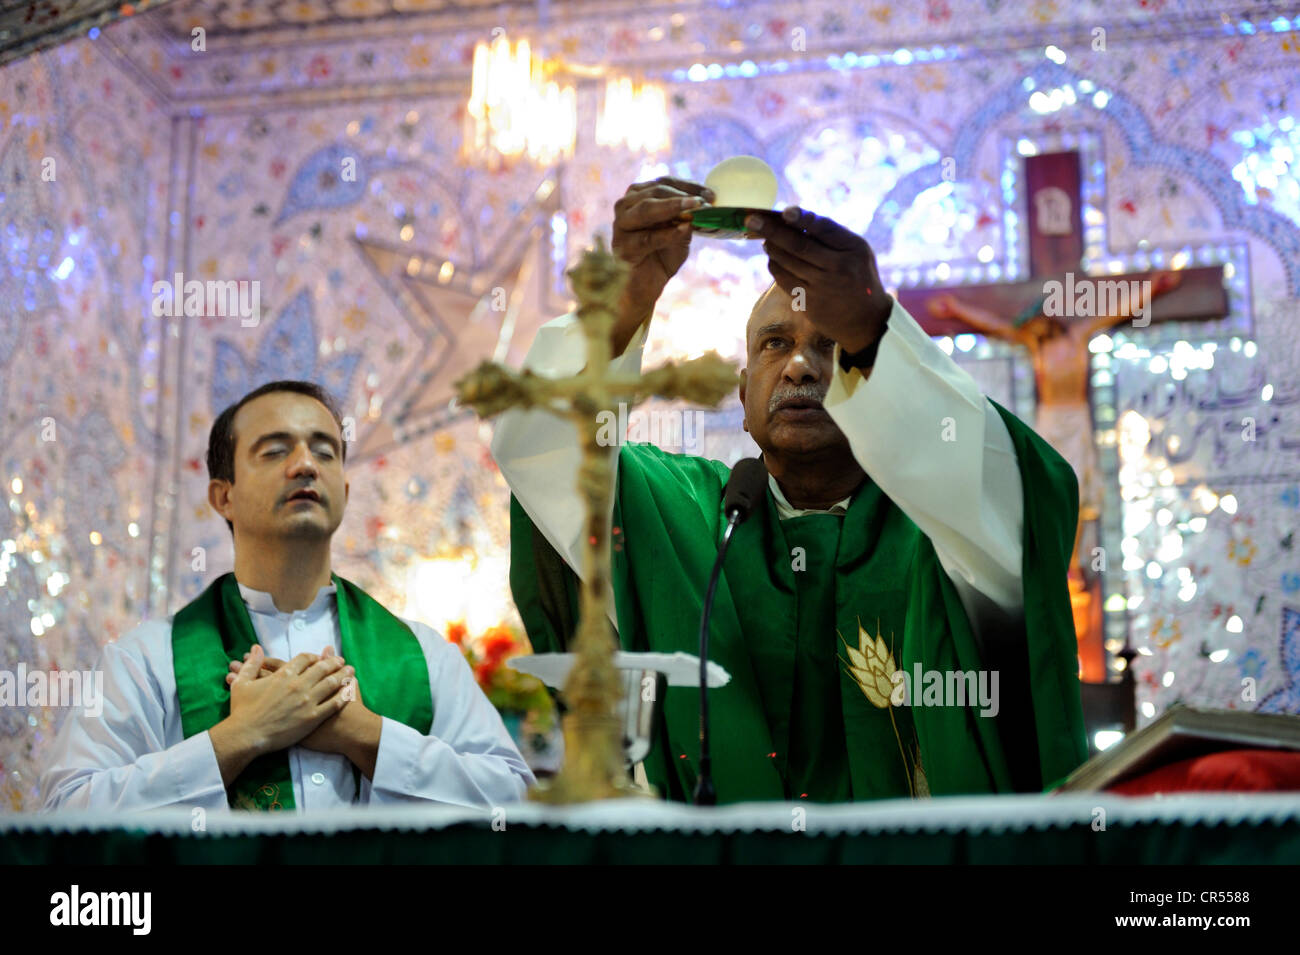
x=1054 y=197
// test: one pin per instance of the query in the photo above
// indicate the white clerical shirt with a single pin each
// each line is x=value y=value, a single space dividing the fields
x=134 y=755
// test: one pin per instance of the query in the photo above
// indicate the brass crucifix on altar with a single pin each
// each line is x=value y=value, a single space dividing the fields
x=593 y=763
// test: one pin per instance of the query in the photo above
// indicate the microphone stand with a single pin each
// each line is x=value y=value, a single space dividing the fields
x=705 y=794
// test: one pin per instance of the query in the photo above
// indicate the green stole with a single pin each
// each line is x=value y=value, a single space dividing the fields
x=214 y=629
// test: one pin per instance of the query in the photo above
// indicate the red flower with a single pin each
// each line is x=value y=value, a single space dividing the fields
x=456 y=632
x=496 y=643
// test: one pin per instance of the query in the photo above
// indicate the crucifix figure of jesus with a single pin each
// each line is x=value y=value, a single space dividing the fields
x=593 y=764
x=1054 y=314
x=1062 y=362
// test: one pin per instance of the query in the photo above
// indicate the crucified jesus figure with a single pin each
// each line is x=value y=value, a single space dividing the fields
x=1059 y=352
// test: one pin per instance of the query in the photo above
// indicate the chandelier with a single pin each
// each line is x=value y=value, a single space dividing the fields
x=517 y=107
x=634 y=115
x=524 y=106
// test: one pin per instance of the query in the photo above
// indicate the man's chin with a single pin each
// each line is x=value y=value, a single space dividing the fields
x=307 y=526
x=804 y=437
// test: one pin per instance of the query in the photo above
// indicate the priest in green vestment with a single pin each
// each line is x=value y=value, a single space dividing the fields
x=242 y=701
x=895 y=614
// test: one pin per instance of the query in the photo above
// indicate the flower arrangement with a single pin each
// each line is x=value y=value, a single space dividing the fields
x=514 y=694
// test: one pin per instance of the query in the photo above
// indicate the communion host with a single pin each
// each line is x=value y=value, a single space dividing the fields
x=240 y=701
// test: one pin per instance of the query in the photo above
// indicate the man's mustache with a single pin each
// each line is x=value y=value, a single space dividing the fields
x=799 y=392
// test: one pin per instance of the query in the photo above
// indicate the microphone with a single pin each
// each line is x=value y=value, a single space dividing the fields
x=745 y=488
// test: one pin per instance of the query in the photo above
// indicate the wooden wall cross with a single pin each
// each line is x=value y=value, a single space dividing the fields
x=1054 y=314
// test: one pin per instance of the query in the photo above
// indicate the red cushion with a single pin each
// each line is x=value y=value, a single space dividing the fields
x=1233 y=770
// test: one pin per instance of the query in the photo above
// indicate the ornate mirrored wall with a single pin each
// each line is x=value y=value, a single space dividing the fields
x=129 y=157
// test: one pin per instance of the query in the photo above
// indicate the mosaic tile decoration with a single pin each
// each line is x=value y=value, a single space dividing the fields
x=83 y=198
x=27 y=26
x=225 y=165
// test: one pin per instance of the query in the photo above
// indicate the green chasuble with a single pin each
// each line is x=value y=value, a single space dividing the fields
x=795 y=595
x=214 y=629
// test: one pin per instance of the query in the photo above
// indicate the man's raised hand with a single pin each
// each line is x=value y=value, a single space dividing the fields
x=835 y=268
x=652 y=234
